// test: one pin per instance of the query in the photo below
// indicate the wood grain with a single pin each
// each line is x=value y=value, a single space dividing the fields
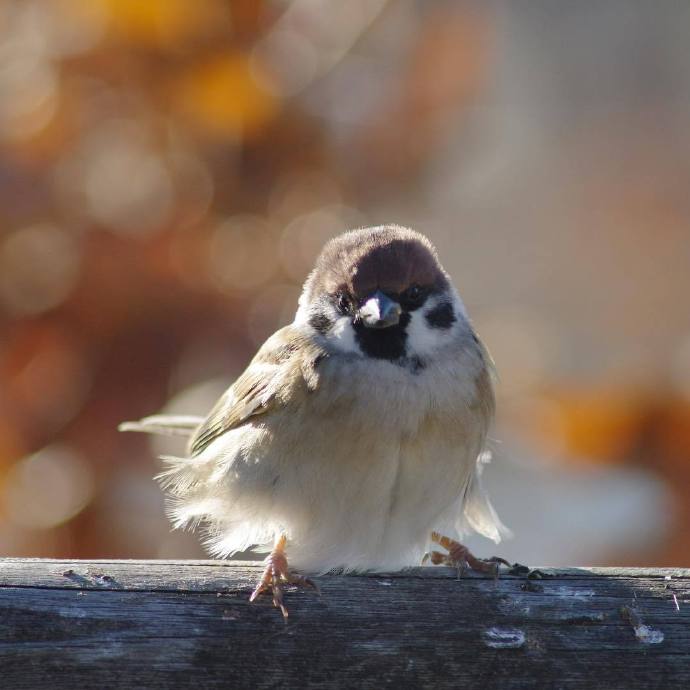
x=157 y=624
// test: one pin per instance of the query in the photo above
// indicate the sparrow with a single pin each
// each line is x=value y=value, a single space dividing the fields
x=355 y=432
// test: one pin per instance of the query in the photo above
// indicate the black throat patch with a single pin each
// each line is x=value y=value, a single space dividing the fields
x=383 y=343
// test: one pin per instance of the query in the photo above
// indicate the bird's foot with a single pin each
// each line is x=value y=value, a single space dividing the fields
x=276 y=575
x=460 y=557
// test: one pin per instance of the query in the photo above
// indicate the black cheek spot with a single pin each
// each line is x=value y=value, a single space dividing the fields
x=320 y=323
x=441 y=316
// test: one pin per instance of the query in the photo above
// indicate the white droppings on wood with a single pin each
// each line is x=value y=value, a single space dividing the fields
x=504 y=638
x=582 y=617
x=379 y=647
x=72 y=613
x=573 y=592
x=648 y=635
x=644 y=633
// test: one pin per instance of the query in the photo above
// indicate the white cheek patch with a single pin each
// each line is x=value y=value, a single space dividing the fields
x=422 y=339
x=342 y=335
x=302 y=314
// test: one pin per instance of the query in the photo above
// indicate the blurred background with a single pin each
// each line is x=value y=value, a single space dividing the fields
x=169 y=170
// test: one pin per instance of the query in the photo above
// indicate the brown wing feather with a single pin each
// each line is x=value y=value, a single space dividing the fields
x=286 y=361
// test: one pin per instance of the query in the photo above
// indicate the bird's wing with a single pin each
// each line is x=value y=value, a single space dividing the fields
x=284 y=367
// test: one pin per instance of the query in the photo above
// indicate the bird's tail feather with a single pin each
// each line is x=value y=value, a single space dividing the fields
x=168 y=425
x=478 y=513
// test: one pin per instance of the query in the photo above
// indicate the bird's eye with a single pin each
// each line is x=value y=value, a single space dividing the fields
x=413 y=296
x=342 y=303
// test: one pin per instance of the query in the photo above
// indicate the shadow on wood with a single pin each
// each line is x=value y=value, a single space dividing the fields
x=155 y=624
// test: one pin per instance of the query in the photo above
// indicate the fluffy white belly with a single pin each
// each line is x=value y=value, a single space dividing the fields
x=368 y=503
x=356 y=479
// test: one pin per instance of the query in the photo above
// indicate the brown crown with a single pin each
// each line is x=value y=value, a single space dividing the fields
x=389 y=258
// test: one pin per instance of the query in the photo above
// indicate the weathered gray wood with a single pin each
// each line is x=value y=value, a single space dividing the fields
x=133 y=624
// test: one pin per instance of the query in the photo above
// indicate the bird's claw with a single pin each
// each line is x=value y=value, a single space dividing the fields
x=276 y=575
x=460 y=557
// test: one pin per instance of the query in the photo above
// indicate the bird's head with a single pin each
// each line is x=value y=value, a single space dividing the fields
x=381 y=292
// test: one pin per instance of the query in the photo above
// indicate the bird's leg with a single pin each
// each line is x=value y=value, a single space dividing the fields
x=460 y=557
x=277 y=574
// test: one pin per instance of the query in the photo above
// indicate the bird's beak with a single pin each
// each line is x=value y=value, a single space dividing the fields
x=380 y=311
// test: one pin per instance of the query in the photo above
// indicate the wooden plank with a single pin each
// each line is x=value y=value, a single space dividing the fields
x=125 y=624
x=215 y=575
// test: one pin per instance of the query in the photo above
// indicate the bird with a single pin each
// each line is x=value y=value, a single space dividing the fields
x=356 y=434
